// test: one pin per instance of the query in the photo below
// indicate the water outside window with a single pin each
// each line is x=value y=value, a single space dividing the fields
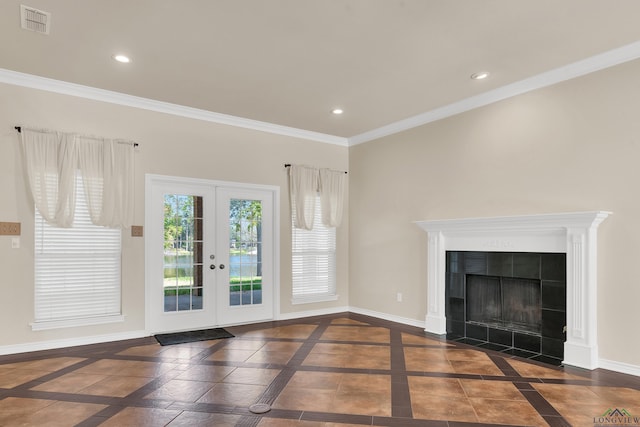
x=245 y=252
x=183 y=258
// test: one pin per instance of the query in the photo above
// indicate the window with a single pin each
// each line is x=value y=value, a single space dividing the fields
x=77 y=271
x=314 y=261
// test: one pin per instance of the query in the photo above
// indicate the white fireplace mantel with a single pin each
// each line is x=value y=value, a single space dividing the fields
x=572 y=233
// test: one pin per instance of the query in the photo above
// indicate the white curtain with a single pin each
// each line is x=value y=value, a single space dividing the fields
x=332 y=185
x=305 y=183
x=52 y=160
x=303 y=188
x=107 y=171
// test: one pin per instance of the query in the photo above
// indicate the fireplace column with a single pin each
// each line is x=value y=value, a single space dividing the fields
x=435 y=321
x=581 y=348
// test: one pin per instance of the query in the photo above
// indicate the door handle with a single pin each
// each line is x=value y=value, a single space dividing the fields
x=213 y=267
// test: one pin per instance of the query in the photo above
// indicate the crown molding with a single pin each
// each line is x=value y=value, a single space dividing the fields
x=87 y=92
x=586 y=66
x=580 y=68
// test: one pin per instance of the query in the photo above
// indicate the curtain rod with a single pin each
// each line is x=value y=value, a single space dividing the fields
x=286 y=165
x=135 y=144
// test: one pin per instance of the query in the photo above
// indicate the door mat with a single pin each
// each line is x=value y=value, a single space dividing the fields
x=192 y=336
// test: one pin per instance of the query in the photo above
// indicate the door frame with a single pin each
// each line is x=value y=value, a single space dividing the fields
x=152 y=180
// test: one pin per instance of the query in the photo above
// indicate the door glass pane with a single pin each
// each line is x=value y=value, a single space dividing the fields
x=183 y=264
x=245 y=252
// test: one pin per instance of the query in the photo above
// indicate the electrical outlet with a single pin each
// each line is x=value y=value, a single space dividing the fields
x=136 y=231
x=9 y=228
x=15 y=242
x=399 y=296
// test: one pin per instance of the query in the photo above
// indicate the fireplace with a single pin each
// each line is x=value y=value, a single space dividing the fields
x=504 y=302
x=508 y=301
x=572 y=234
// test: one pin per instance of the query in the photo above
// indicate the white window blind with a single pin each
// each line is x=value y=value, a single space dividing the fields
x=313 y=260
x=77 y=269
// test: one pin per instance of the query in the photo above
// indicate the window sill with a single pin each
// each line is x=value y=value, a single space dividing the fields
x=71 y=323
x=314 y=298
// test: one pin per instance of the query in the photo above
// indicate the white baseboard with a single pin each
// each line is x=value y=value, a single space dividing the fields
x=624 y=368
x=357 y=310
x=70 y=342
x=310 y=313
x=389 y=317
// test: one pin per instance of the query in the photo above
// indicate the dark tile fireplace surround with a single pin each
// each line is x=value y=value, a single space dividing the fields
x=513 y=302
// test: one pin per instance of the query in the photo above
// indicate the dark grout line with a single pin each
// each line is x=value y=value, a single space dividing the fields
x=504 y=366
x=101 y=416
x=336 y=418
x=556 y=421
x=248 y=421
x=539 y=403
x=412 y=422
x=53 y=375
x=400 y=395
x=278 y=384
x=70 y=397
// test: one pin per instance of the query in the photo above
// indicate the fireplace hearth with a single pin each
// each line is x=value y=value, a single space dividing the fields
x=508 y=301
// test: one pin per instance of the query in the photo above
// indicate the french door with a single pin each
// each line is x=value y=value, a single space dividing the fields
x=244 y=290
x=210 y=253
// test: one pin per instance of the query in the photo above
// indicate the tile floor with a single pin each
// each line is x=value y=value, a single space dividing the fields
x=339 y=370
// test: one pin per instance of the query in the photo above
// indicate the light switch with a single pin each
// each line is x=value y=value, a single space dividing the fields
x=15 y=242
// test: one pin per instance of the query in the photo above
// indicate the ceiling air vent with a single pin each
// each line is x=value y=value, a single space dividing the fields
x=34 y=20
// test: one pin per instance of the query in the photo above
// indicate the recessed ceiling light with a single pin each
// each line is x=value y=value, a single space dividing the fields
x=122 y=58
x=337 y=111
x=479 y=76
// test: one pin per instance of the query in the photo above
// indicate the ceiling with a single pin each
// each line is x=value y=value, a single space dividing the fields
x=290 y=62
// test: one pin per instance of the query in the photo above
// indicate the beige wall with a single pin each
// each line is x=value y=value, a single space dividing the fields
x=571 y=147
x=169 y=145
